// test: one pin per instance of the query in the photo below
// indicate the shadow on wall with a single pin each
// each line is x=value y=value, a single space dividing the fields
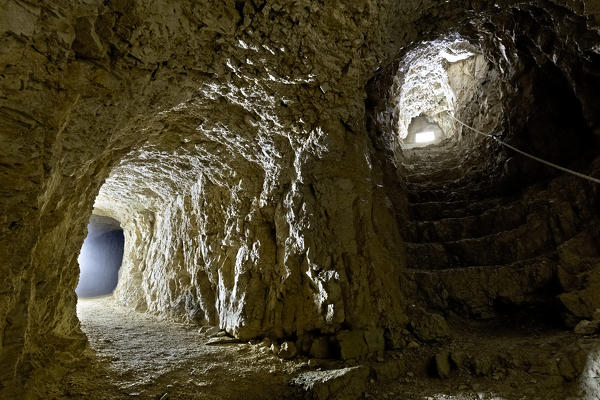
x=100 y=257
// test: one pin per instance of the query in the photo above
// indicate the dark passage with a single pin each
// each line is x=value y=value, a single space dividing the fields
x=100 y=258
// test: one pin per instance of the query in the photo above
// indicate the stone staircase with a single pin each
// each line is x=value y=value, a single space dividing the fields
x=473 y=247
x=509 y=268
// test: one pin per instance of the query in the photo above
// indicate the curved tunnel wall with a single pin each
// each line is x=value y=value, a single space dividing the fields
x=95 y=87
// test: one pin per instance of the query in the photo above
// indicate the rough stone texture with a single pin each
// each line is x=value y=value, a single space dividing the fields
x=176 y=98
x=442 y=364
x=428 y=326
x=340 y=384
x=357 y=344
x=287 y=350
x=230 y=140
x=586 y=327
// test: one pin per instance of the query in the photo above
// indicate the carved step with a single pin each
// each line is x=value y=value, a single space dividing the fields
x=479 y=291
x=418 y=175
x=468 y=193
x=528 y=240
x=446 y=180
x=435 y=210
x=490 y=221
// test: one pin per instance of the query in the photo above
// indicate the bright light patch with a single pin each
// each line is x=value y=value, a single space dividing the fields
x=424 y=137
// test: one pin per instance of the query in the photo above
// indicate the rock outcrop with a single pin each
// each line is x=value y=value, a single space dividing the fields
x=231 y=140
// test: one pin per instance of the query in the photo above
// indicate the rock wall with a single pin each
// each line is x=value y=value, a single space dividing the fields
x=231 y=137
x=215 y=256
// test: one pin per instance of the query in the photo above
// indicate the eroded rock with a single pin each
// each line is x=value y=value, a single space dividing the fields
x=428 y=326
x=338 y=384
x=287 y=350
x=442 y=364
x=233 y=145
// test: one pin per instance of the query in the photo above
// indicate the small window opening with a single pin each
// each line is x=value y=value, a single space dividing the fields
x=100 y=257
x=423 y=131
x=425 y=137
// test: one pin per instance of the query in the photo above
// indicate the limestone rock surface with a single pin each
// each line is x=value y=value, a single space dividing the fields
x=255 y=177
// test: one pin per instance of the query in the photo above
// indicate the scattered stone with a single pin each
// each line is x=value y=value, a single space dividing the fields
x=395 y=339
x=413 y=345
x=442 y=364
x=209 y=330
x=389 y=371
x=458 y=358
x=266 y=342
x=222 y=340
x=566 y=369
x=304 y=365
x=428 y=326
x=586 y=327
x=482 y=364
x=287 y=350
x=274 y=348
x=337 y=384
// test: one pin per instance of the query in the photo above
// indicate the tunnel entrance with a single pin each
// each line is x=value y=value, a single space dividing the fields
x=100 y=257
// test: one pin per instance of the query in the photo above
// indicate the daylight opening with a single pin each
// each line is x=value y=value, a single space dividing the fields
x=431 y=82
x=100 y=257
x=425 y=137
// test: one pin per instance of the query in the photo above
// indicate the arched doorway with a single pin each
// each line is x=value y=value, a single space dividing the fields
x=100 y=257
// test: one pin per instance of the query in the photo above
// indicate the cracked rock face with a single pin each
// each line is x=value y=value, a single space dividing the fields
x=230 y=141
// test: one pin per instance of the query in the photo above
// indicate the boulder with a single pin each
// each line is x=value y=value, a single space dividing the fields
x=429 y=326
x=338 y=384
x=352 y=344
x=287 y=350
x=442 y=364
x=586 y=327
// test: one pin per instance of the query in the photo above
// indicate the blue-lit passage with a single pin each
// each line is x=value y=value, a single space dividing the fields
x=100 y=257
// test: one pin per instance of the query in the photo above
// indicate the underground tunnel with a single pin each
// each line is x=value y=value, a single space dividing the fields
x=324 y=200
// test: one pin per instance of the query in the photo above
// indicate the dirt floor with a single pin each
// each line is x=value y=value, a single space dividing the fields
x=147 y=358
x=138 y=356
